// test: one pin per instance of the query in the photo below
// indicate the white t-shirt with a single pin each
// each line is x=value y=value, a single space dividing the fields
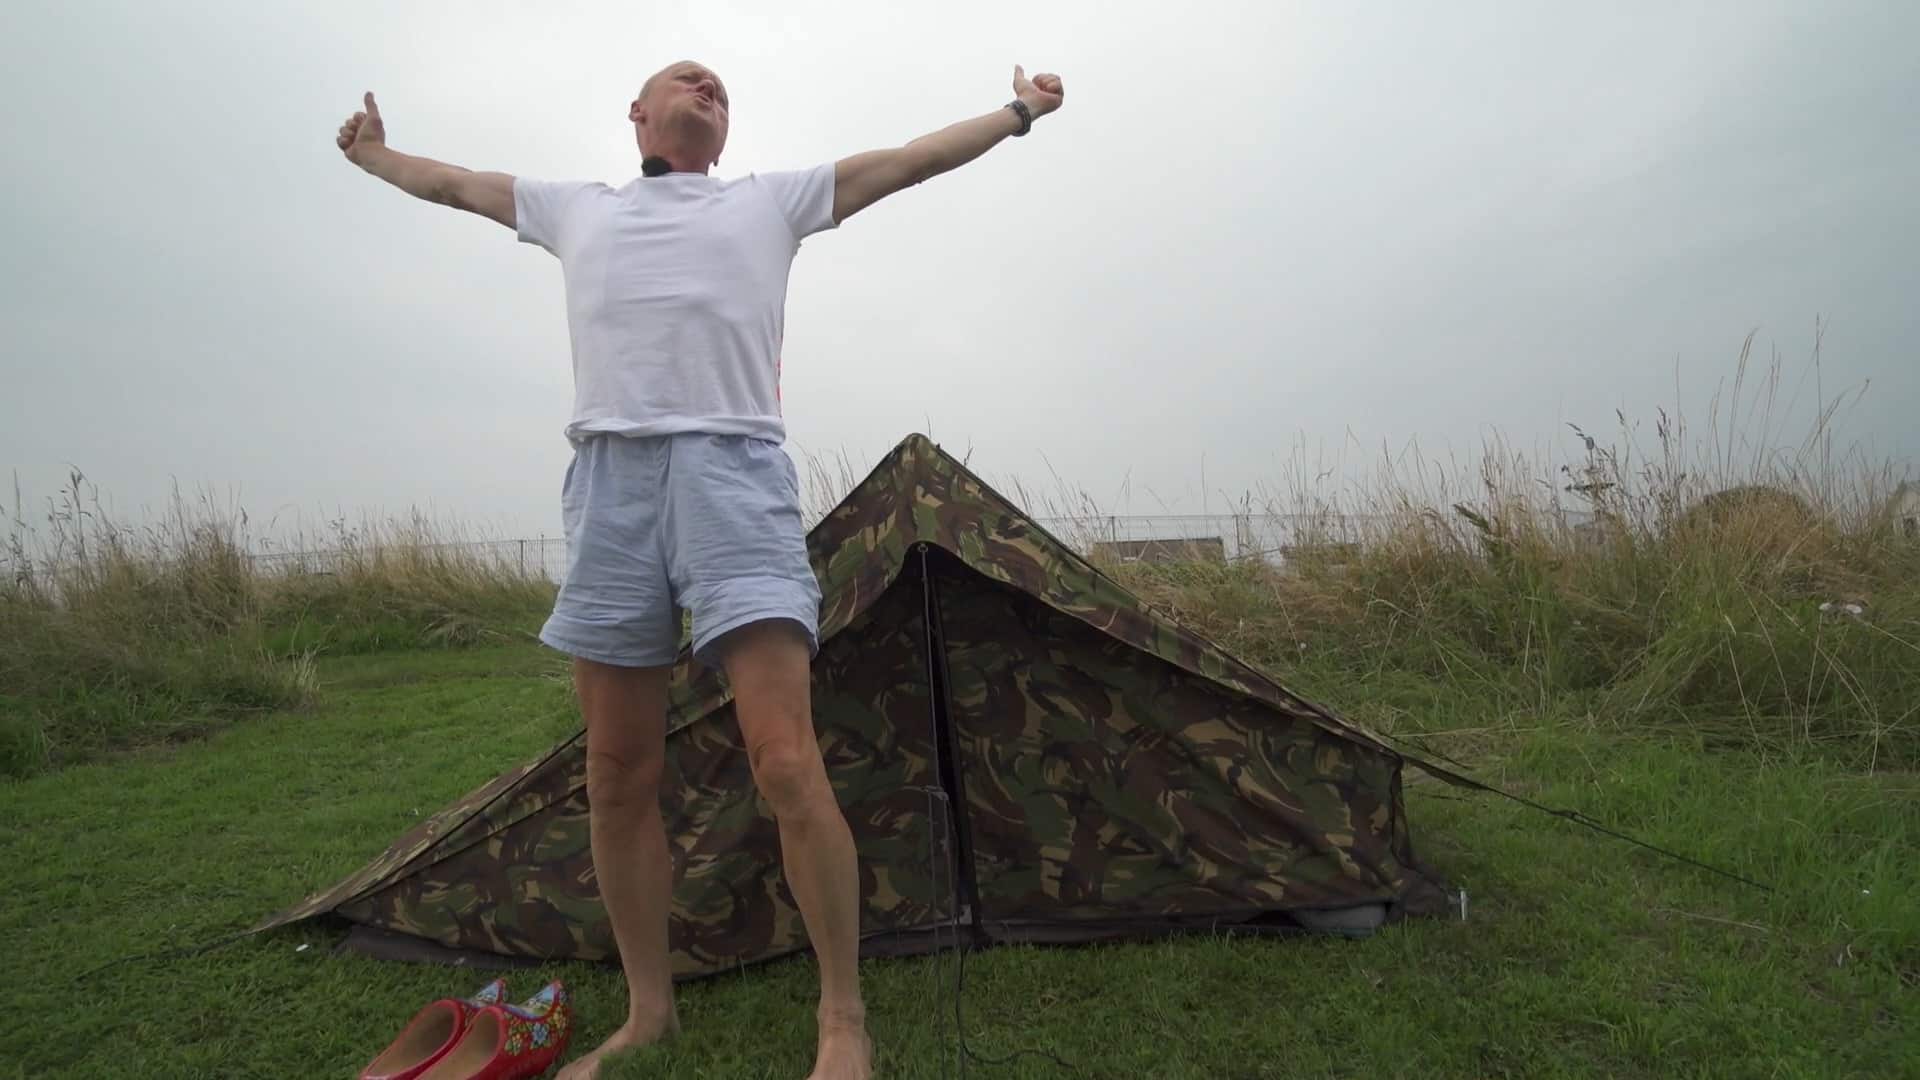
x=676 y=290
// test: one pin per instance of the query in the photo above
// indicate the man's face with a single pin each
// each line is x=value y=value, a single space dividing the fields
x=685 y=98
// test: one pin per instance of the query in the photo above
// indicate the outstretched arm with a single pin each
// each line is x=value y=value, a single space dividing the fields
x=363 y=138
x=864 y=179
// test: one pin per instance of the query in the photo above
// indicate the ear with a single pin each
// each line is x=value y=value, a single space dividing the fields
x=633 y=111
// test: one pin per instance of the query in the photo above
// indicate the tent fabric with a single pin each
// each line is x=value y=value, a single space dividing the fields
x=1024 y=750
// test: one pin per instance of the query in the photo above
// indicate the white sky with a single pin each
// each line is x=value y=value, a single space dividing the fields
x=1254 y=227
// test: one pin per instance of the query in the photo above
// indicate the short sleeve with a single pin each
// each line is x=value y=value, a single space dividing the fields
x=540 y=209
x=805 y=197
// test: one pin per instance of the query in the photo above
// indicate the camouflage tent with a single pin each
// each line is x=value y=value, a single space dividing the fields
x=1025 y=751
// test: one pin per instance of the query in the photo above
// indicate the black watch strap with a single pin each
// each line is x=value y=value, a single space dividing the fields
x=1025 y=114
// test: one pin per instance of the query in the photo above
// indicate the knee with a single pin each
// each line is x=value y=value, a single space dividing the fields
x=621 y=782
x=790 y=775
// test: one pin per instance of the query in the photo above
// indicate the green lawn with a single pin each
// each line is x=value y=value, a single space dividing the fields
x=1580 y=956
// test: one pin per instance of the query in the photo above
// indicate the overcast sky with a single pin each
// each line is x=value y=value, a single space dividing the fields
x=1253 y=228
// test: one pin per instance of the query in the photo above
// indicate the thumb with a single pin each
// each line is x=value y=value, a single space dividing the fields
x=372 y=109
x=1019 y=74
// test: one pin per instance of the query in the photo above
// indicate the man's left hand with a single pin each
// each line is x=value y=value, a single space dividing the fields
x=1043 y=93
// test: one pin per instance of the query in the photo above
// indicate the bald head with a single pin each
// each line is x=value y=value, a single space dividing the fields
x=655 y=79
x=681 y=114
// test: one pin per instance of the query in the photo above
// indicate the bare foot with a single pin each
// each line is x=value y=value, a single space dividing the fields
x=632 y=1034
x=846 y=1052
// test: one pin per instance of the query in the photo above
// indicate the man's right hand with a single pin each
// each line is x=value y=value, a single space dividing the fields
x=363 y=134
x=363 y=139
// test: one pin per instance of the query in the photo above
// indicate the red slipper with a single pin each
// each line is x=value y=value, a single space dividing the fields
x=511 y=1042
x=433 y=1031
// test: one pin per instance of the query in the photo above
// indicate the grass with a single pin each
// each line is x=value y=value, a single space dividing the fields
x=1724 y=662
x=1580 y=956
x=1751 y=593
x=122 y=636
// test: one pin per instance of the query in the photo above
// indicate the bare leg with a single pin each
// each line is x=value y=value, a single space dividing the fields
x=625 y=710
x=767 y=665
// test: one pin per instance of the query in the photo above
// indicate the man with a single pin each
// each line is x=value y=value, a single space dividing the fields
x=679 y=496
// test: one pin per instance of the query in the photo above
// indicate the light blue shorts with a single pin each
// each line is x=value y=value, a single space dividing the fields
x=706 y=523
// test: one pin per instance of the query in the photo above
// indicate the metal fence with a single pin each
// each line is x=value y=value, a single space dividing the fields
x=1263 y=537
x=1236 y=537
x=1240 y=536
x=544 y=556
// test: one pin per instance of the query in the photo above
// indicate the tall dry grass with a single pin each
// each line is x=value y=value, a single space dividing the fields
x=1736 y=582
x=120 y=635
x=1742 y=584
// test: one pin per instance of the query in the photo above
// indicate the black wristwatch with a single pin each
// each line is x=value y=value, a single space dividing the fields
x=1025 y=114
